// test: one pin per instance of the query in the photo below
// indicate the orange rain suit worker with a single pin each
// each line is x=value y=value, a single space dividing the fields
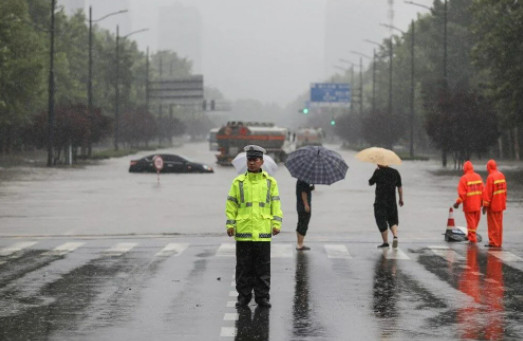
x=494 y=203
x=470 y=192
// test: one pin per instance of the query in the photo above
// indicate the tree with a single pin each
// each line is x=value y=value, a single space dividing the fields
x=379 y=128
x=461 y=123
x=21 y=66
x=498 y=25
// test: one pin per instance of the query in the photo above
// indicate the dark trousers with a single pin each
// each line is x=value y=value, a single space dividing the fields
x=253 y=269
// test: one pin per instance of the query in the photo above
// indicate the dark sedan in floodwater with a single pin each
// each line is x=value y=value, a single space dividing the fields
x=171 y=164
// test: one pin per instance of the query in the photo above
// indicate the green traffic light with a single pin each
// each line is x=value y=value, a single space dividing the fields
x=305 y=111
x=333 y=122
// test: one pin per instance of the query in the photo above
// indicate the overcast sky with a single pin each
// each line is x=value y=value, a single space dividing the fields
x=271 y=50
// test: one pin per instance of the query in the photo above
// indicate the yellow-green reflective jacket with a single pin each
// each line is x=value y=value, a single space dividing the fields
x=253 y=207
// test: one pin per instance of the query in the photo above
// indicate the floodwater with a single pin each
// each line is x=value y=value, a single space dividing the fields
x=95 y=253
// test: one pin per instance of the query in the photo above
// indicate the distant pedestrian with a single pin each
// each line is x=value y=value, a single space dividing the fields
x=470 y=192
x=254 y=215
x=494 y=203
x=387 y=179
x=303 y=207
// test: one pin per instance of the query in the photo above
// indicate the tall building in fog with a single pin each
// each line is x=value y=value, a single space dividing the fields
x=180 y=30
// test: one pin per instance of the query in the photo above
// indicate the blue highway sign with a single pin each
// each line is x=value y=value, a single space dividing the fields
x=330 y=92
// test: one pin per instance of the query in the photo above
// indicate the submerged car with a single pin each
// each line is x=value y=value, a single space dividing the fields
x=171 y=164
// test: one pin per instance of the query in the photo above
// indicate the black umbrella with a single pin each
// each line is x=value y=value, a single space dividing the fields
x=316 y=165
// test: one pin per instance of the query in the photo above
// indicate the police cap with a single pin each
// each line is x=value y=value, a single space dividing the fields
x=254 y=151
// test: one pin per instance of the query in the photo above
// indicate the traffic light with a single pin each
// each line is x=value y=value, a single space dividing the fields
x=213 y=105
x=304 y=111
x=333 y=122
x=204 y=105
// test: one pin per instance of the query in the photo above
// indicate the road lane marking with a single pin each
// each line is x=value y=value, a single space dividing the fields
x=63 y=249
x=226 y=250
x=170 y=249
x=9 y=250
x=395 y=253
x=230 y=317
x=228 y=332
x=506 y=256
x=446 y=253
x=119 y=249
x=337 y=251
x=281 y=250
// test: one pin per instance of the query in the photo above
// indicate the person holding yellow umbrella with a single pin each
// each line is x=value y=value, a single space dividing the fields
x=387 y=180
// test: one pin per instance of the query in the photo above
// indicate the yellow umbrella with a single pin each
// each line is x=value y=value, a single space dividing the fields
x=380 y=156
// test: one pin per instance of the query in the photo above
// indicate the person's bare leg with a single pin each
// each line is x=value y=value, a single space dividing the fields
x=385 y=236
x=300 y=240
x=394 y=230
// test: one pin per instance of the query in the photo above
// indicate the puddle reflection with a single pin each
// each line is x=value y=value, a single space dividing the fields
x=252 y=327
x=484 y=319
x=304 y=324
x=385 y=294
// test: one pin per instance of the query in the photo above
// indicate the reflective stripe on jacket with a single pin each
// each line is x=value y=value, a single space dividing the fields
x=253 y=207
x=470 y=189
x=495 y=193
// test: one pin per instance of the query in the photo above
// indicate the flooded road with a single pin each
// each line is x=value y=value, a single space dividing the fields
x=97 y=253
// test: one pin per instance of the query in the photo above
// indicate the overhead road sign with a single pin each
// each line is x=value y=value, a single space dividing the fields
x=181 y=91
x=330 y=93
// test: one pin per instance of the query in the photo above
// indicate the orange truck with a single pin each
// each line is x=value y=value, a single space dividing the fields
x=235 y=135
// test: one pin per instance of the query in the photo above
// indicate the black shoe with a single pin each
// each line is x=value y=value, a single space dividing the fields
x=242 y=302
x=263 y=302
x=303 y=248
x=490 y=245
x=384 y=245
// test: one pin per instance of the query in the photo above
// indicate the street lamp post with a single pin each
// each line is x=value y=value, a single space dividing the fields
x=351 y=80
x=51 y=119
x=445 y=52
x=361 y=78
x=117 y=84
x=90 y=72
x=411 y=147
x=373 y=73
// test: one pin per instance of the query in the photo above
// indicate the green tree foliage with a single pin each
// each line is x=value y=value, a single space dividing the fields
x=462 y=123
x=21 y=66
x=498 y=27
x=72 y=128
x=379 y=128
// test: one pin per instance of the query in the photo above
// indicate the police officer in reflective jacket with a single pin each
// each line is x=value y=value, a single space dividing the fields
x=254 y=215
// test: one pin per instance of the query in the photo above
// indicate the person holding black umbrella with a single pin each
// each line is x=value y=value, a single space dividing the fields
x=303 y=207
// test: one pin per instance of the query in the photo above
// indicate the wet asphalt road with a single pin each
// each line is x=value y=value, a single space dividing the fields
x=96 y=253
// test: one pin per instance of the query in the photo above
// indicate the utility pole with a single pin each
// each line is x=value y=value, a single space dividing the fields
x=412 y=92
x=51 y=118
x=90 y=73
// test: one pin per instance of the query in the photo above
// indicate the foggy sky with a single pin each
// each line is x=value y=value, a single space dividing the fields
x=272 y=50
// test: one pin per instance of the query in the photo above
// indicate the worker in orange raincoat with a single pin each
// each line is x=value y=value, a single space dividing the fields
x=470 y=194
x=494 y=203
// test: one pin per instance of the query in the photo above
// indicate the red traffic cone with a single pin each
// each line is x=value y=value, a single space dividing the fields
x=450 y=220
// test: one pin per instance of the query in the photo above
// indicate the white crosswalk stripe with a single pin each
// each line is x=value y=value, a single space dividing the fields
x=10 y=250
x=172 y=249
x=63 y=249
x=446 y=253
x=337 y=251
x=395 y=253
x=506 y=256
x=119 y=249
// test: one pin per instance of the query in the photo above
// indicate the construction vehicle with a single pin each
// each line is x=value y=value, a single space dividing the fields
x=235 y=135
